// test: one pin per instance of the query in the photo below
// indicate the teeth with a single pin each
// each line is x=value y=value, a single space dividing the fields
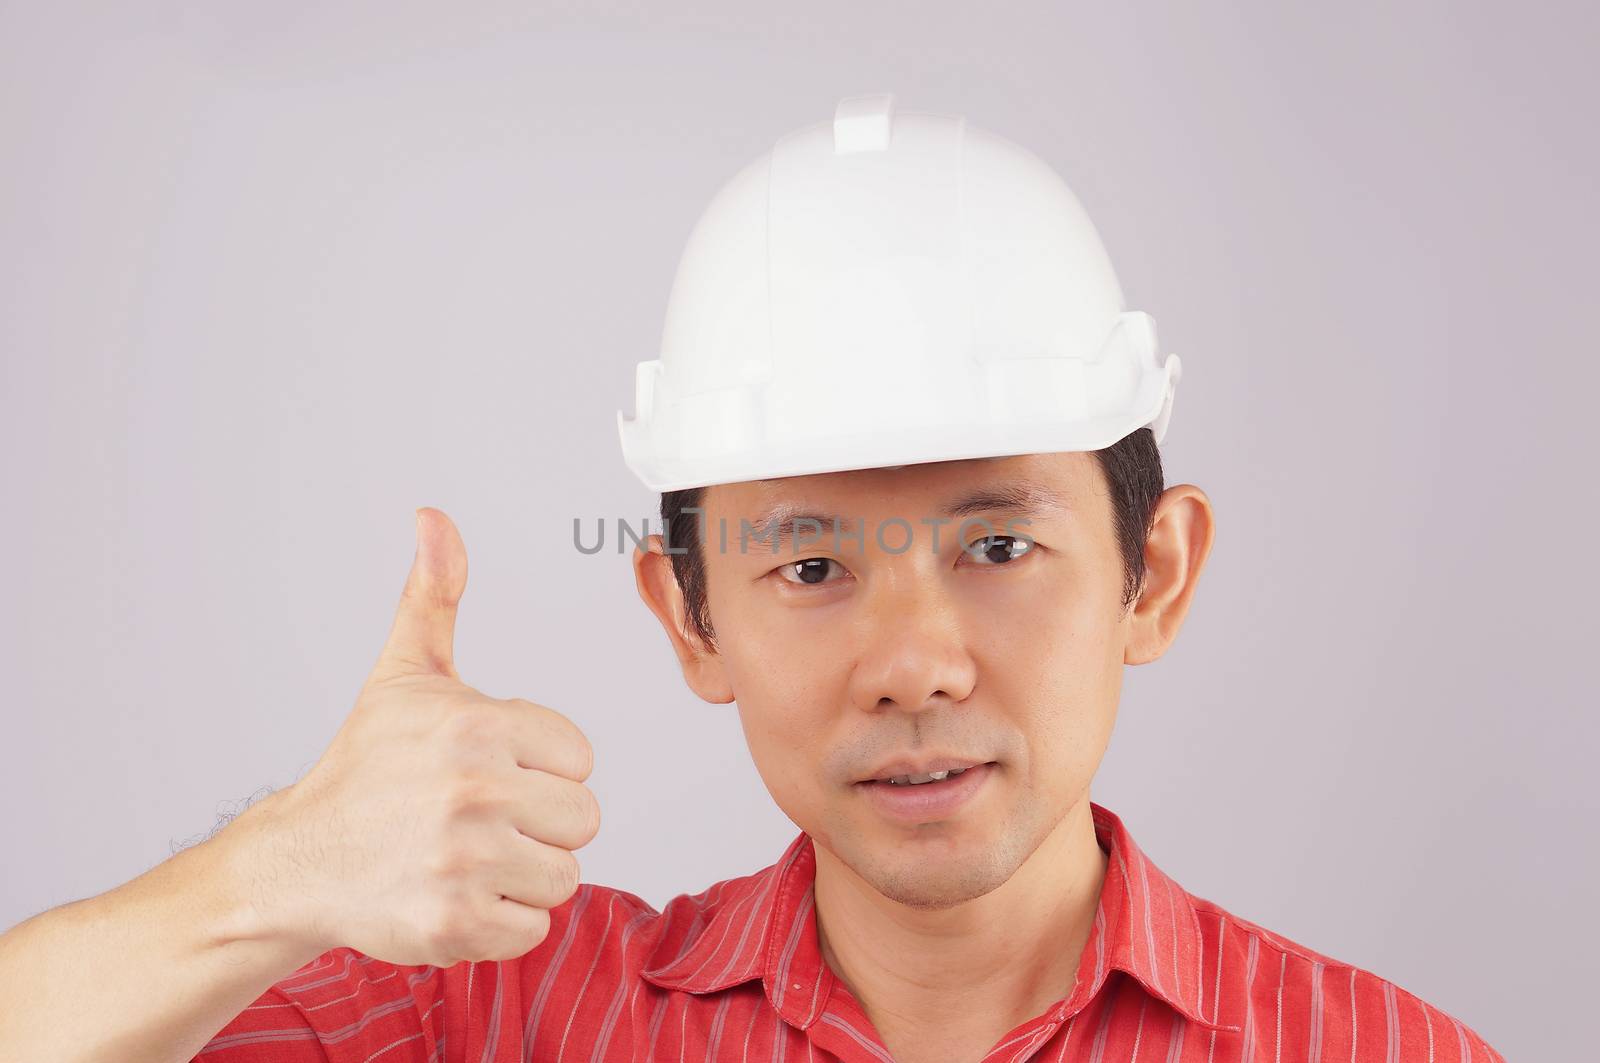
x=929 y=776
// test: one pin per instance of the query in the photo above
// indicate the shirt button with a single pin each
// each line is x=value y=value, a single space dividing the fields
x=797 y=985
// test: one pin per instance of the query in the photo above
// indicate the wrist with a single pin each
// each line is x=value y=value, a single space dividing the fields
x=263 y=900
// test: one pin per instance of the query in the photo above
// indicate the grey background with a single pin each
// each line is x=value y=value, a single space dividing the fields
x=276 y=274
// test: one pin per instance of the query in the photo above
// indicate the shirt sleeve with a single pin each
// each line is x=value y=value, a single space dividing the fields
x=342 y=1007
x=347 y=1007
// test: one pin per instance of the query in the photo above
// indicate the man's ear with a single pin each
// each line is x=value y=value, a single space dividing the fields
x=658 y=587
x=1180 y=539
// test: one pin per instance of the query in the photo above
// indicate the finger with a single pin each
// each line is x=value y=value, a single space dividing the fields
x=422 y=638
x=522 y=927
x=505 y=929
x=543 y=738
x=537 y=874
x=553 y=810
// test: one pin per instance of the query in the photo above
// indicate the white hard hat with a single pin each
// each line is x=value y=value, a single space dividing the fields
x=890 y=288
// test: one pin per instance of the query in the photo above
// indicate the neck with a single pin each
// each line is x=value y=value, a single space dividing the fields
x=994 y=961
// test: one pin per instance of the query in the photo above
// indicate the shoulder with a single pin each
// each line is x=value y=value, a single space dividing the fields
x=1281 y=993
x=340 y=1007
x=600 y=911
x=629 y=932
x=345 y=1006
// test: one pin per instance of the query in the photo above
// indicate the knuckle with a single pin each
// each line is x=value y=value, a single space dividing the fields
x=448 y=928
x=468 y=730
x=438 y=864
x=469 y=794
x=449 y=867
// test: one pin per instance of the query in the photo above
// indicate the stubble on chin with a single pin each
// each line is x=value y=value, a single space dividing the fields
x=931 y=883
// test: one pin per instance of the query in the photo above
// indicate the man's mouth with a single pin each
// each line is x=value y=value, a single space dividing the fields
x=926 y=796
x=926 y=778
x=919 y=780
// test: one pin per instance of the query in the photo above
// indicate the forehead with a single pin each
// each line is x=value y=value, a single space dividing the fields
x=1020 y=481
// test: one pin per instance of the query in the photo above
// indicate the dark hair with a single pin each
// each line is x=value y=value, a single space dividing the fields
x=1131 y=468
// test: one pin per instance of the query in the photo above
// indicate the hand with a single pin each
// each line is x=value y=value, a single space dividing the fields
x=439 y=825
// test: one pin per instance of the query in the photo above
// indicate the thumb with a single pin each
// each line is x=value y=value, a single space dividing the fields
x=422 y=639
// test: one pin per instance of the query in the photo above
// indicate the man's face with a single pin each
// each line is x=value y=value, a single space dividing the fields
x=893 y=647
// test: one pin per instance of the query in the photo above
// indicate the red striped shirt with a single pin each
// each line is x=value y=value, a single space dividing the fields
x=735 y=973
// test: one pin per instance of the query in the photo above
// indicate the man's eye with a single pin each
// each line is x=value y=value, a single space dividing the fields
x=810 y=570
x=998 y=549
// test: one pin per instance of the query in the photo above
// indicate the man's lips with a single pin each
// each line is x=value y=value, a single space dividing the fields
x=917 y=803
x=904 y=767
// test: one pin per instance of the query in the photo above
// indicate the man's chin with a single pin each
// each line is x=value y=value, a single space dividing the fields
x=932 y=887
x=928 y=869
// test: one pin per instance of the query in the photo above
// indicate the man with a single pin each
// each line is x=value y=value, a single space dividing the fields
x=919 y=578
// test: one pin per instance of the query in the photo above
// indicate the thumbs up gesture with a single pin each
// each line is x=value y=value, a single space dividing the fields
x=439 y=824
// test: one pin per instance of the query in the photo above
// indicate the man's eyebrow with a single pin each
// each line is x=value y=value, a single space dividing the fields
x=781 y=523
x=778 y=527
x=1017 y=496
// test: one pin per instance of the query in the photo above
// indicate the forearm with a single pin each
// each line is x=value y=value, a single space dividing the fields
x=149 y=971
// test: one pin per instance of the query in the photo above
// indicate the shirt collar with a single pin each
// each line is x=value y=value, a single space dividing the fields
x=764 y=926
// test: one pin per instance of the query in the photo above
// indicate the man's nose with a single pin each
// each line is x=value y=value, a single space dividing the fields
x=912 y=648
